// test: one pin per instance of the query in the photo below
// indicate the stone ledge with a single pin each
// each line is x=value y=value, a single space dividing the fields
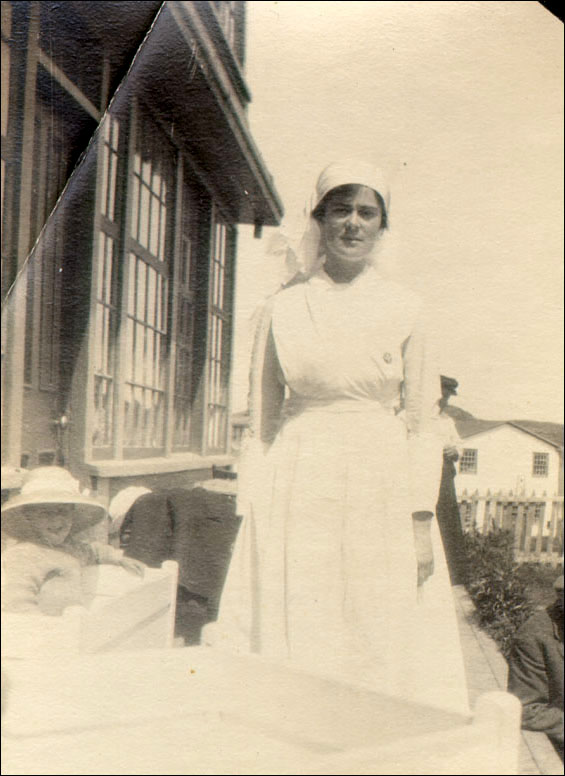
x=543 y=753
x=161 y=465
x=538 y=745
x=12 y=477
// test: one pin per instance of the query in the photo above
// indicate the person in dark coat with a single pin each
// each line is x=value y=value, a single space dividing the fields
x=447 y=508
x=196 y=528
x=536 y=670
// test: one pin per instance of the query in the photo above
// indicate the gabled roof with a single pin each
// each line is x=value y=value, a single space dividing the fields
x=467 y=427
x=457 y=413
x=551 y=433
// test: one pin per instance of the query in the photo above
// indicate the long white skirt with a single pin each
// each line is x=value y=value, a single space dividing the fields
x=324 y=571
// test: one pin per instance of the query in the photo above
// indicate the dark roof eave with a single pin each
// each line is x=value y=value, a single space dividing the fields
x=258 y=198
x=272 y=211
x=543 y=438
x=477 y=426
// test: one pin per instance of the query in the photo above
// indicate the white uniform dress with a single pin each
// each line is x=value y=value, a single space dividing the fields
x=324 y=570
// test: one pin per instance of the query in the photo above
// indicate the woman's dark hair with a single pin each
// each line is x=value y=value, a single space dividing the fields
x=348 y=189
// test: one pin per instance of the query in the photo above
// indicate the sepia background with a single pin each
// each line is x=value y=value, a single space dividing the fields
x=461 y=104
x=137 y=245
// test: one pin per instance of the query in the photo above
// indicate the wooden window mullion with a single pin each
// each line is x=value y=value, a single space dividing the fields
x=175 y=276
x=124 y=259
x=208 y=343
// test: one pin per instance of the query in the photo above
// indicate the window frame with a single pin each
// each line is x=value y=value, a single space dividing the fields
x=193 y=203
x=52 y=163
x=107 y=228
x=536 y=464
x=220 y=328
x=198 y=291
x=469 y=464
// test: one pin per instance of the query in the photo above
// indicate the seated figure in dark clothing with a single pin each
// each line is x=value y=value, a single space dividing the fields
x=536 y=670
x=196 y=527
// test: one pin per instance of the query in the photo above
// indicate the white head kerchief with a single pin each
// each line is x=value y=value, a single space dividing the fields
x=305 y=256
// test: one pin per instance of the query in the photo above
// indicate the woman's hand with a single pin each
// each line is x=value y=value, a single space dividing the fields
x=133 y=566
x=422 y=522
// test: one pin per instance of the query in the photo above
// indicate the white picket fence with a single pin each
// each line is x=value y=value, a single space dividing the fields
x=536 y=521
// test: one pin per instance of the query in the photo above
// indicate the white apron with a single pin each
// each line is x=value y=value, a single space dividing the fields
x=324 y=570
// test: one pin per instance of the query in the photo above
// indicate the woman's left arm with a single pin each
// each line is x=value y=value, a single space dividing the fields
x=422 y=391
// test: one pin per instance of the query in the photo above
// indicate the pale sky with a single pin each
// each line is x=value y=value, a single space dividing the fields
x=461 y=104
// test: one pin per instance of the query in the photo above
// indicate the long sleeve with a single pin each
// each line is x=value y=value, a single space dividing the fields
x=20 y=583
x=530 y=681
x=422 y=391
x=38 y=579
x=266 y=389
x=266 y=396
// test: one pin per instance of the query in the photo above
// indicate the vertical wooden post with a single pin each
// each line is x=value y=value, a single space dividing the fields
x=212 y=247
x=525 y=529
x=123 y=260
x=516 y=526
x=540 y=520
x=174 y=280
x=552 y=515
x=231 y=266
x=14 y=319
x=557 y=528
x=85 y=388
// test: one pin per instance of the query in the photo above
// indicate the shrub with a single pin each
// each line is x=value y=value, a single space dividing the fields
x=538 y=579
x=495 y=586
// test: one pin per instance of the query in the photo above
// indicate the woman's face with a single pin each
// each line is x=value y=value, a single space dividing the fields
x=52 y=523
x=351 y=224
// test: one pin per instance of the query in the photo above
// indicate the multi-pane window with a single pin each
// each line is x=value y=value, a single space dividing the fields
x=540 y=465
x=150 y=275
x=106 y=290
x=111 y=136
x=104 y=343
x=469 y=461
x=219 y=337
x=44 y=269
x=186 y=296
x=148 y=290
x=146 y=351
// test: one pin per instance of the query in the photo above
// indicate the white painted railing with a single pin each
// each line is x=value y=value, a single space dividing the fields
x=536 y=521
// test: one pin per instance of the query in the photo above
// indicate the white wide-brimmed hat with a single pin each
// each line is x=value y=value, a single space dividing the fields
x=50 y=485
x=121 y=504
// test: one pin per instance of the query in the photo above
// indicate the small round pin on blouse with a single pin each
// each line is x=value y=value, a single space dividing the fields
x=387 y=358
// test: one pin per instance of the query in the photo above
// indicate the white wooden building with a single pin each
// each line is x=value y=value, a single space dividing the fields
x=117 y=323
x=510 y=476
x=519 y=456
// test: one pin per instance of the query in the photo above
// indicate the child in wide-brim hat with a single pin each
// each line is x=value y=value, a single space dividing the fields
x=42 y=569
